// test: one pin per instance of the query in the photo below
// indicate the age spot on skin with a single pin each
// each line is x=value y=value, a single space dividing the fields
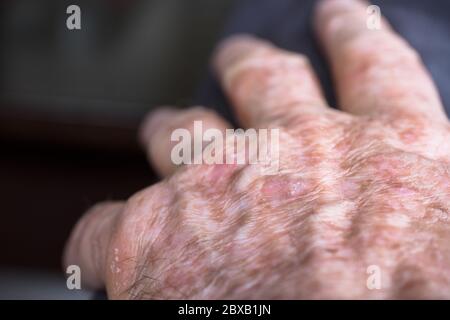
x=399 y=220
x=350 y=189
x=405 y=192
x=280 y=188
x=389 y=166
x=221 y=171
x=436 y=215
x=408 y=136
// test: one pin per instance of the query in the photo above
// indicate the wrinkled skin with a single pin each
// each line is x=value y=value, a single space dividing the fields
x=368 y=185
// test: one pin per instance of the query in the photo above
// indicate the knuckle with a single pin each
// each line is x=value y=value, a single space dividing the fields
x=143 y=209
x=391 y=51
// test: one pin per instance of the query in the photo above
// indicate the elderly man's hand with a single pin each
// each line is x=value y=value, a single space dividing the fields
x=365 y=188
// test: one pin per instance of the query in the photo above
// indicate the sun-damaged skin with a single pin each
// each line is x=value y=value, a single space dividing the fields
x=366 y=186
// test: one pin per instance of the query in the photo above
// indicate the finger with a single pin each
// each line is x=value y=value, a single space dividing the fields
x=265 y=83
x=158 y=134
x=88 y=244
x=376 y=71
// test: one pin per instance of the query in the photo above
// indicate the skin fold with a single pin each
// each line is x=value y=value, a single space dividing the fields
x=366 y=185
